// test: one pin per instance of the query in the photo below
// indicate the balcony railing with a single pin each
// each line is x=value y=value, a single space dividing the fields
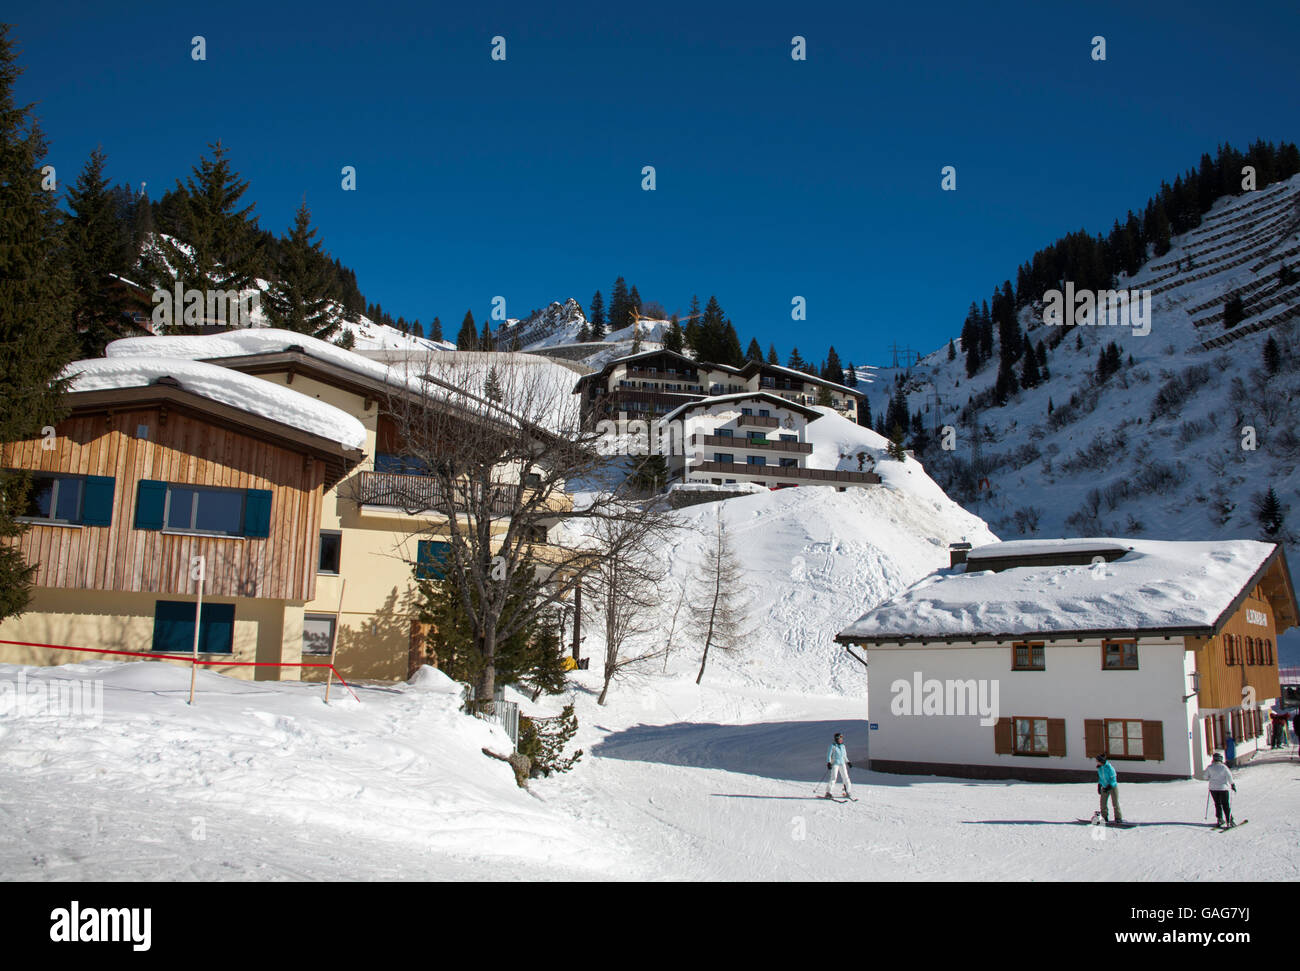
x=758 y=421
x=786 y=473
x=425 y=493
x=772 y=444
x=657 y=375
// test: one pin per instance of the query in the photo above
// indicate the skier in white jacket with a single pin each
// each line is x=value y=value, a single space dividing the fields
x=1219 y=776
x=838 y=765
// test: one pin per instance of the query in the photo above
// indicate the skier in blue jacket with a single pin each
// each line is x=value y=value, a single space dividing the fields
x=838 y=764
x=1108 y=785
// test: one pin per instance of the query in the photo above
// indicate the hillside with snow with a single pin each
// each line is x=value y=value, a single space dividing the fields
x=1163 y=447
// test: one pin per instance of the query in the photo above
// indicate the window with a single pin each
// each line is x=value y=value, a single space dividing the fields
x=1124 y=738
x=1028 y=657
x=756 y=459
x=1119 y=656
x=318 y=634
x=789 y=438
x=1268 y=651
x=536 y=534
x=1250 y=650
x=1030 y=736
x=431 y=558
x=70 y=500
x=1228 y=657
x=532 y=479
x=724 y=433
x=789 y=463
x=746 y=411
x=764 y=413
x=759 y=437
x=201 y=509
x=724 y=458
x=331 y=549
x=173 y=628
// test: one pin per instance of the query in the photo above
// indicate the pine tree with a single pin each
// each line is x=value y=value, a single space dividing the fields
x=486 y=342
x=1234 y=311
x=347 y=340
x=730 y=349
x=895 y=449
x=1272 y=355
x=674 y=336
x=754 y=352
x=301 y=298
x=834 y=370
x=597 y=318
x=584 y=333
x=435 y=330
x=1270 y=513
x=492 y=385
x=952 y=350
x=620 y=306
x=219 y=248
x=636 y=337
x=795 y=361
x=864 y=412
x=1029 y=376
x=35 y=309
x=772 y=356
x=634 y=299
x=692 y=333
x=98 y=251
x=851 y=377
x=467 y=339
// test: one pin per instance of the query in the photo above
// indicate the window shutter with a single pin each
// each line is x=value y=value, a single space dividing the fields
x=97 y=500
x=1153 y=741
x=1056 y=736
x=1002 y=744
x=257 y=513
x=1094 y=737
x=150 y=498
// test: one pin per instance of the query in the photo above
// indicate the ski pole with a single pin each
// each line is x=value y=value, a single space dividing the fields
x=825 y=779
x=1207 y=805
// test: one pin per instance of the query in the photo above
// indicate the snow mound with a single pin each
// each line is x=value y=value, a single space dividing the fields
x=229 y=387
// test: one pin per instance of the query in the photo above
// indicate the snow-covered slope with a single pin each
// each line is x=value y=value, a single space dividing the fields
x=271 y=762
x=1162 y=449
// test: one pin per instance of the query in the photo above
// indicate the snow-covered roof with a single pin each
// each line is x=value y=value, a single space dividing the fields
x=802 y=375
x=461 y=375
x=721 y=399
x=1155 y=586
x=223 y=385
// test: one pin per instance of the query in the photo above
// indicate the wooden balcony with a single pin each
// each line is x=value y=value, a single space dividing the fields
x=787 y=473
x=658 y=375
x=422 y=493
x=771 y=444
x=758 y=421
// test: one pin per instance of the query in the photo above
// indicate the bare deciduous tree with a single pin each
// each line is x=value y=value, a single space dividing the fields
x=623 y=587
x=493 y=472
x=720 y=619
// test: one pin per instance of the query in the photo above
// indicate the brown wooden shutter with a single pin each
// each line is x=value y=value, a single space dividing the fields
x=1002 y=743
x=1056 y=736
x=1094 y=737
x=1153 y=741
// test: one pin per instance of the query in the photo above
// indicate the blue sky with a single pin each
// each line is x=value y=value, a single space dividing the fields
x=775 y=178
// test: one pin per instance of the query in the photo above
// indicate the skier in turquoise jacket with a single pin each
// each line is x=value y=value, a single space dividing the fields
x=1108 y=785
x=838 y=764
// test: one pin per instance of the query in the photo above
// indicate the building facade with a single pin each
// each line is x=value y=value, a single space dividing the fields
x=1158 y=693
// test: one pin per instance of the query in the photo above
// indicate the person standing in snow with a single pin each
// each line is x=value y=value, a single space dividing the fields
x=1108 y=785
x=1296 y=726
x=1219 y=776
x=838 y=765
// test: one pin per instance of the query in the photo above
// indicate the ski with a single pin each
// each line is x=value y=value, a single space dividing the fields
x=1093 y=822
x=1224 y=829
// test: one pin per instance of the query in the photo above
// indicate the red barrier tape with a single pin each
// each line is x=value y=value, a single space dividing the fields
x=190 y=659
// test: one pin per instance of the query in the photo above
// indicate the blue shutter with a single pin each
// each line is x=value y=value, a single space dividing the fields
x=257 y=512
x=150 y=498
x=97 y=500
x=431 y=559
